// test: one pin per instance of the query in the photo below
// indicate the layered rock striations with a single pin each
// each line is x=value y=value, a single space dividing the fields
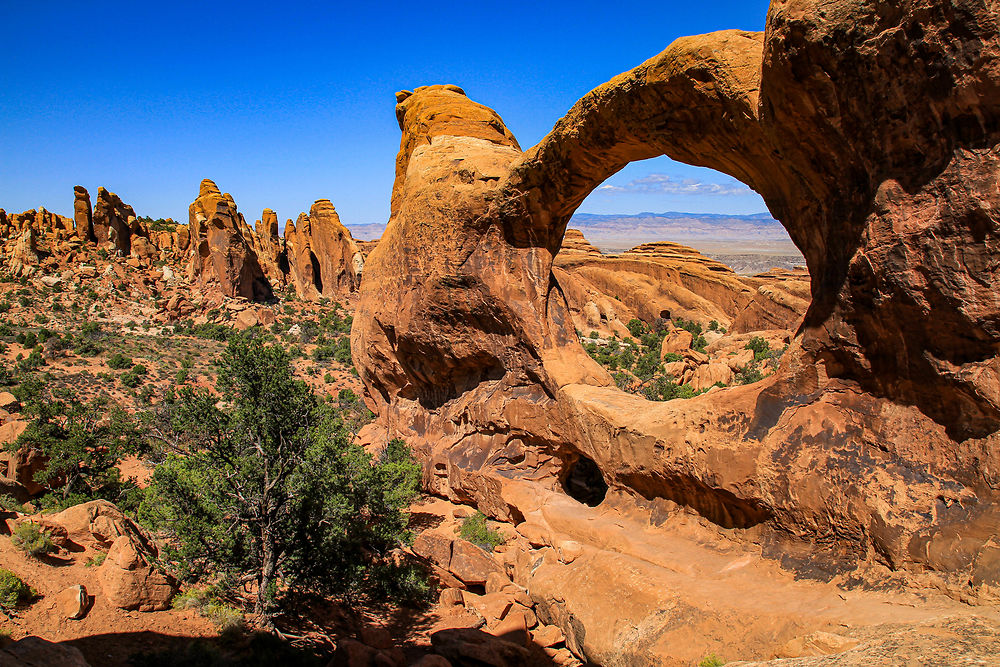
x=668 y=280
x=870 y=451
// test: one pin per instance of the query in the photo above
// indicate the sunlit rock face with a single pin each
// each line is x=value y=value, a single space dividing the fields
x=871 y=131
x=222 y=257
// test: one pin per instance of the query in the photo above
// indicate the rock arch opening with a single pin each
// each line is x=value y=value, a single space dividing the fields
x=582 y=481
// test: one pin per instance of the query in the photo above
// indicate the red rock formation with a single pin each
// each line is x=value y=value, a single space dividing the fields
x=221 y=256
x=871 y=132
x=112 y=222
x=323 y=259
x=83 y=215
x=270 y=248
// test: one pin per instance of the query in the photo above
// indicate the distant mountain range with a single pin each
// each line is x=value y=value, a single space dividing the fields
x=675 y=226
x=711 y=233
x=672 y=215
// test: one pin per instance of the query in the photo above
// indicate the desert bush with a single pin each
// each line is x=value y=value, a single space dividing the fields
x=749 y=374
x=32 y=539
x=96 y=560
x=711 y=660
x=227 y=619
x=636 y=327
x=119 y=361
x=663 y=389
x=27 y=339
x=13 y=591
x=83 y=441
x=760 y=348
x=193 y=598
x=475 y=529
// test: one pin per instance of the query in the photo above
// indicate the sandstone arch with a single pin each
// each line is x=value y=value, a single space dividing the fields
x=872 y=133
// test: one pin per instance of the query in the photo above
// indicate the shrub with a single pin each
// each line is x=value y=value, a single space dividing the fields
x=226 y=619
x=749 y=374
x=760 y=348
x=475 y=530
x=194 y=598
x=28 y=340
x=711 y=660
x=96 y=560
x=32 y=539
x=8 y=503
x=119 y=361
x=636 y=327
x=13 y=591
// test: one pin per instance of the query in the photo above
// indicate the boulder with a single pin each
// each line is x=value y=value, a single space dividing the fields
x=73 y=602
x=95 y=524
x=709 y=374
x=9 y=403
x=740 y=360
x=677 y=341
x=130 y=579
x=451 y=597
x=468 y=646
x=547 y=635
x=38 y=652
x=19 y=466
x=471 y=564
x=435 y=547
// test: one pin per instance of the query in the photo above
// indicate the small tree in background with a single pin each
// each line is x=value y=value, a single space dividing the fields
x=83 y=442
x=269 y=489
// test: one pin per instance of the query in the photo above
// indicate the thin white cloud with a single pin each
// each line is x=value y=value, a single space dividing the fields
x=663 y=184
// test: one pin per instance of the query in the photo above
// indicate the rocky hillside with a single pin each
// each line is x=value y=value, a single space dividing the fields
x=215 y=258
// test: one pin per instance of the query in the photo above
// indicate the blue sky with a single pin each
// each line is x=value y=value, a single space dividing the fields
x=284 y=103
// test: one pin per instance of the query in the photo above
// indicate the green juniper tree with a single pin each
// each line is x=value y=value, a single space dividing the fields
x=266 y=487
x=83 y=442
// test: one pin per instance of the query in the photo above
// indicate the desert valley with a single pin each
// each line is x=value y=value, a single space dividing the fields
x=500 y=432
